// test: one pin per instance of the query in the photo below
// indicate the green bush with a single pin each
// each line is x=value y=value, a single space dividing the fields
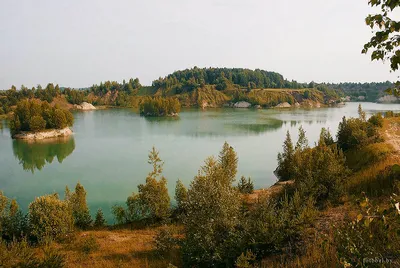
x=89 y=244
x=212 y=216
x=50 y=217
x=20 y=254
x=376 y=120
x=13 y=223
x=165 y=242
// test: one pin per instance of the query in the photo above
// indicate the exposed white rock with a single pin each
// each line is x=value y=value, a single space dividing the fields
x=84 y=106
x=52 y=133
x=283 y=105
x=388 y=99
x=297 y=105
x=242 y=104
x=258 y=107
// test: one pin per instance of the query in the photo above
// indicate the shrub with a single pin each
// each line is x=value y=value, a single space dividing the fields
x=376 y=120
x=20 y=254
x=355 y=132
x=373 y=234
x=246 y=186
x=165 y=242
x=13 y=223
x=50 y=216
x=276 y=224
x=212 y=218
x=246 y=260
x=89 y=244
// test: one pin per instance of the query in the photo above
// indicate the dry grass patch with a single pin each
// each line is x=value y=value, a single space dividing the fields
x=115 y=248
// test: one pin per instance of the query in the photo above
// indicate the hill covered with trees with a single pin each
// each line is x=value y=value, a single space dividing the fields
x=200 y=87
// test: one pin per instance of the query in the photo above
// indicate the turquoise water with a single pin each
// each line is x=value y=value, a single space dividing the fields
x=109 y=148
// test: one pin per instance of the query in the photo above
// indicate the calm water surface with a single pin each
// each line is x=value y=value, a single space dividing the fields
x=108 y=152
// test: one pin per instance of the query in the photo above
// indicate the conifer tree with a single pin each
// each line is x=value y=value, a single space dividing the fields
x=302 y=142
x=228 y=163
x=154 y=193
x=361 y=113
x=80 y=210
x=180 y=195
x=100 y=221
x=284 y=170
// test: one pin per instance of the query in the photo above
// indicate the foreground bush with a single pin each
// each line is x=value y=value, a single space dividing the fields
x=212 y=214
x=373 y=235
x=50 y=217
x=20 y=254
x=13 y=223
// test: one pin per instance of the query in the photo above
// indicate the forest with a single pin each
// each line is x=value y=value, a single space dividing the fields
x=216 y=222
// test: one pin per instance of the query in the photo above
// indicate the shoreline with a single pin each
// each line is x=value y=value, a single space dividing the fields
x=42 y=135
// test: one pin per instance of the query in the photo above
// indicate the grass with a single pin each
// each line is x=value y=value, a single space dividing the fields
x=114 y=248
x=372 y=164
x=373 y=153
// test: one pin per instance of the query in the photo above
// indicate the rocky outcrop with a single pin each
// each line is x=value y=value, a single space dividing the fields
x=388 y=99
x=283 y=105
x=84 y=106
x=242 y=104
x=47 y=134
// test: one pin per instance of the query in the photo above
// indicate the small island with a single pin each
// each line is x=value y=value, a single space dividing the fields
x=160 y=107
x=37 y=120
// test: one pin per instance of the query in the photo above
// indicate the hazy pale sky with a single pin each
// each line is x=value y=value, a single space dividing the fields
x=79 y=43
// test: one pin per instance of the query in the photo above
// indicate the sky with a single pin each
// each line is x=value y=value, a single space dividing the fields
x=77 y=43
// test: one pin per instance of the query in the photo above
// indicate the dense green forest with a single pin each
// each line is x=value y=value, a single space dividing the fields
x=370 y=91
x=214 y=225
x=35 y=115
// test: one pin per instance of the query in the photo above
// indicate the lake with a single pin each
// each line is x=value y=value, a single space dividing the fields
x=108 y=151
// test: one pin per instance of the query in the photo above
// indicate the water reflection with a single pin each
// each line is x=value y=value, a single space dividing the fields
x=35 y=155
x=258 y=127
x=162 y=119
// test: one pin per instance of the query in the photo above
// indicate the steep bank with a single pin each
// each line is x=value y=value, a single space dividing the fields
x=48 y=134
